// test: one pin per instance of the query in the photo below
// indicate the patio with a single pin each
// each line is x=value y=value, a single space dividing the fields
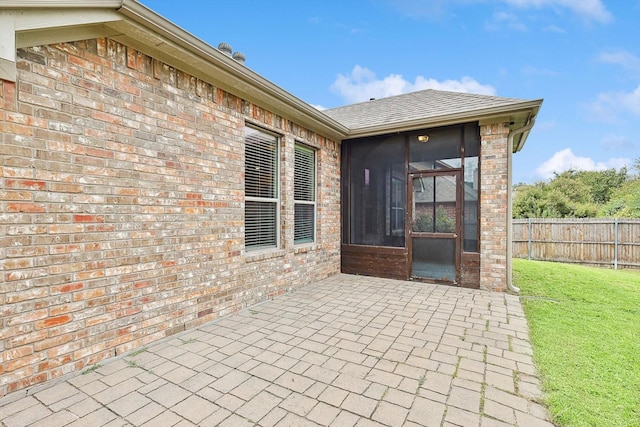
x=345 y=351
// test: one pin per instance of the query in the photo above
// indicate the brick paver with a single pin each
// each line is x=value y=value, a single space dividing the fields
x=344 y=351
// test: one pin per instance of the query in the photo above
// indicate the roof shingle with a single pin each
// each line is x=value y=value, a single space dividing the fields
x=424 y=105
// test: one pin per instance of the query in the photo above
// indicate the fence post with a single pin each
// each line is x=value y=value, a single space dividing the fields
x=615 y=245
x=530 y=243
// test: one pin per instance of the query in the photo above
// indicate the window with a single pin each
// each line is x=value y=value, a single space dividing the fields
x=304 y=194
x=261 y=190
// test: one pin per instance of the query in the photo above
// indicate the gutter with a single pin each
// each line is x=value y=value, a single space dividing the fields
x=141 y=14
x=445 y=119
x=524 y=130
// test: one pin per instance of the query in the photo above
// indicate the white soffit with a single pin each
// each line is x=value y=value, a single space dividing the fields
x=34 y=26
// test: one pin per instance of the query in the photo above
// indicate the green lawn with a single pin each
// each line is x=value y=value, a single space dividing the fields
x=585 y=329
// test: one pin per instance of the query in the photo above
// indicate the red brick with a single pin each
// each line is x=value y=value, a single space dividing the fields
x=96 y=320
x=55 y=362
x=17 y=353
x=113 y=234
x=68 y=287
x=26 y=317
x=66 y=348
x=53 y=342
x=25 y=184
x=15 y=195
x=25 y=361
x=24 y=382
x=106 y=117
x=66 y=308
x=9 y=99
x=88 y=218
x=20 y=339
x=53 y=321
x=25 y=295
x=97 y=152
x=55 y=269
x=26 y=207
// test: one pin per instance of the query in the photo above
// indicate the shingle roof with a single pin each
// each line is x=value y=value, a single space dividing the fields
x=425 y=106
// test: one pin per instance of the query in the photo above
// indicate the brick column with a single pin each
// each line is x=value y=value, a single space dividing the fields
x=494 y=187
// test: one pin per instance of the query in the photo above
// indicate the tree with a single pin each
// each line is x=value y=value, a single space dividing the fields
x=625 y=200
x=579 y=194
x=563 y=197
x=602 y=184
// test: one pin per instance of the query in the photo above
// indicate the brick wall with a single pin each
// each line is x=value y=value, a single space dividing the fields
x=494 y=184
x=121 y=208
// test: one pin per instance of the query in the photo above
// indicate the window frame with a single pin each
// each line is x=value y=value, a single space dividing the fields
x=314 y=202
x=276 y=187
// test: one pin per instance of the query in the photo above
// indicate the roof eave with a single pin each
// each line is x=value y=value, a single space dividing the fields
x=196 y=56
x=519 y=113
x=256 y=88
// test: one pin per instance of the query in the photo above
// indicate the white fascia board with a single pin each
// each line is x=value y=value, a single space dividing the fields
x=512 y=112
x=7 y=46
x=52 y=4
x=41 y=19
x=34 y=26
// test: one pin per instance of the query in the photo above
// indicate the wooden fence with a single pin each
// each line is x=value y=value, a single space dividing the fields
x=613 y=242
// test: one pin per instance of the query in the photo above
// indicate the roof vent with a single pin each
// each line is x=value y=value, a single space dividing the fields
x=239 y=56
x=372 y=99
x=225 y=48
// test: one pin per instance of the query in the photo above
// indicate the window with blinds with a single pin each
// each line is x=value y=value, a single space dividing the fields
x=304 y=194
x=261 y=190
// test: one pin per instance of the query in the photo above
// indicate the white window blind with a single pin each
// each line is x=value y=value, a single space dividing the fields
x=304 y=194
x=261 y=189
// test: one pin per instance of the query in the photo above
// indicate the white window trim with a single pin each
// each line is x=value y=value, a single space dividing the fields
x=314 y=203
x=277 y=200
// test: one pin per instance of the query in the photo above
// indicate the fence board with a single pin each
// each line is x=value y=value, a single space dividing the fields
x=592 y=241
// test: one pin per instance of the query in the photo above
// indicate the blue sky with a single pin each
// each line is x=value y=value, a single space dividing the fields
x=581 y=56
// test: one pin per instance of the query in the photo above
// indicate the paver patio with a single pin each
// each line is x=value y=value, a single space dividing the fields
x=344 y=351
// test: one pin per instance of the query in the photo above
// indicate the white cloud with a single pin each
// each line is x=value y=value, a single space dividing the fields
x=623 y=58
x=565 y=160
x=553 y=29
x=590 y=10
x=610 y=105
x=362 y=84
x=505 y=19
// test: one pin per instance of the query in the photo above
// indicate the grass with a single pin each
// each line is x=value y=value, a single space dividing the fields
x=138 y=351
x=585 y=329
x=91 y=369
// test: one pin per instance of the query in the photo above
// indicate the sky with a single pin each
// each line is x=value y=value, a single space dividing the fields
x=581 y=56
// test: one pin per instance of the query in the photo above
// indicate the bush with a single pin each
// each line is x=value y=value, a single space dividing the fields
x=444 y=223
